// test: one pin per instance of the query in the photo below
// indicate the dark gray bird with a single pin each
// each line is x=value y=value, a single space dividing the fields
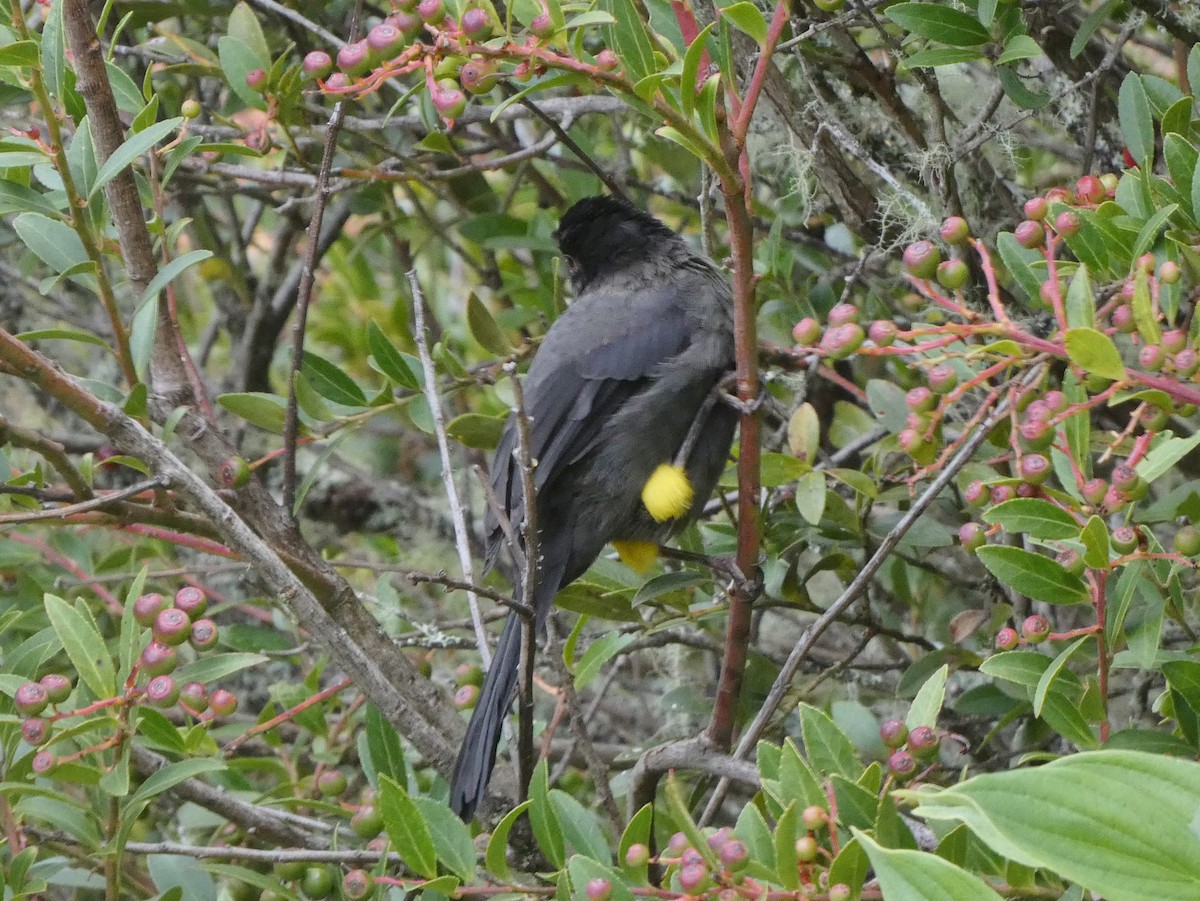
x=612 y=395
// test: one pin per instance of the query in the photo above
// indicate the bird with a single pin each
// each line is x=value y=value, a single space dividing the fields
x=627 y=437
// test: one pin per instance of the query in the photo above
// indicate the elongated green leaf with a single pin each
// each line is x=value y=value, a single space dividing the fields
x=1035 y=517
x=918 y=876
x=172 y=270
x=390 y=361
x=1095 y=19
x=939 y=23
x=1046 y=682
x=451 y=839
x=266 y=411
x=54 y=242
x=583 y=870
x=543 y=819
x=173 y=774
x=132 y=149
x=1080 y=304
x=484 y=329
x=331 y=382
x=1122 y=824
x=407 y=829
x=1018 y=47
x=1095 y=542
x=1164 y=455
x=691 y=71
x=1148 y=233
x=941 y=56
x=599 y=652
x=1094 y=352
x=828 y=748
x=746 y=17
x=1137 y=124
x=19 y=54
x=84 y=645
x=1033 y=575
x=212 y=667
x=496 y=856
x=17 y=198
x=927 y=704
x=628 y=37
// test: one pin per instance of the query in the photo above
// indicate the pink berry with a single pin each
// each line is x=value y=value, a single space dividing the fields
x=607 y=60
x=1152 y=357
x=1123 y=321
x=354 y=59
x=923 y=742
x=147 y=607
x=1169 y=272
x=204 y=635
x=431 y=11
x=476 y=24
x=1007 y=639
x=162 y=691
x=1093 y=491
x=57 y=686
x=331 y=783
x=159 y=659
x=638 y=855
x=31 y=699
x=943 y=378
x=843 y=313
x=893 y=733
x=1067 y=223
x=385 y=41
x=318 y=64
x=1035 y=629
x=955 y=230
x=882 y=332
x=223 y=703
x=256 y=79
x=1090 y=190
x=920 y=399
x=1030 y=233
x=34 y=730
x=478 y=76
x=806 y=332
x=542 y=26
x=192 y=601
x=194 y=697
x=815 y=817
x=841 y=341
x=44 y=762
x=921 y=259
x=1035 y=468
x=902 y=764
x=358 y=884
x=972 y=537
x=171 y=626
x=1036 y=208
x=598 y=890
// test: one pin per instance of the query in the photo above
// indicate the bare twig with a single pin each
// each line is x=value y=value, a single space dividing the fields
x=94 y=503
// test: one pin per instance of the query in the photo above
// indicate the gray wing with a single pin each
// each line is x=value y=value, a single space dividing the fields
x=597 y=356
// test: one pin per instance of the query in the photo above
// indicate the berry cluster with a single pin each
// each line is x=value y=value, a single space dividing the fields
x=910 y=749
x=171 y=626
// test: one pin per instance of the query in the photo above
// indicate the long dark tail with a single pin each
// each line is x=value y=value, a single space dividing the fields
x=477 y=756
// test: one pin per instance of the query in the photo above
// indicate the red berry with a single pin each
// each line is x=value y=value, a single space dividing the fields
x=256 y=79
x=158 y=659
x=952 y=274
x=204 y=635
x=476 y=24
x=942 y=378
x=34 y=730
x=57 y=686
x=843 y=313
x=921 y=259
x=431 y=11
x=1030 y=234
x=1035 y=629
x=194 y=697
x=223 y=703
x=1093 y=491
x=162 y=691
x=192 y=601
x=358 y=884
x=31 y=699
x=638 y=855
x=1006 y=639
x=1090 y=190
x=1036 y=208
x=331 y=783
x=171 y=626
x=1035 y=469
x=147 y=607
x=806 y=332
x=882 y=332
x=354 y=59
x=902 y=764
x=1123 y=321
x=955 y=230
x=972 y=537
x=920 y=399
x=923 y=742
x=1067 y=223
x=598 y=890
x=893 y=733
x=318 y=64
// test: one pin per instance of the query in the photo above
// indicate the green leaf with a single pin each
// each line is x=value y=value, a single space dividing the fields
x=1095 y=19
x=389 y=360
x=828 y=748
x=17 y=198
x=939 y=23
x=1164 y=455
x=941 y=56
x=1122 y=824
x=1046 y=682
x=582 y=870
x=1143 y=309
x=637 y=832
x=243 y=25
x=747 y=18
x=1016 y=90
x=599 y=652
x=671 y=133
x=54 y=54
x=237 y=61
x=594 y=17
x=19 y=54
x=1137 y=124
x=84 y=645
x=451 y=838
x=780 y=469
x=580 y=829
x=476 y=430
x=407 y=829
x=1094 y=352
x=1080 y=304
x=384 y=747
x=54 y=242
x=496 y=856
x=141 y=337
x=1018 y=47
x=810 y=496
x=1017 y=260
x=131 y=150
x=1095 y=542
x=1033 y=575
x=484 y=329
x=173 y=774
x=331 y=382
x=543 y=819
x=918 y=876
x=1036 y=517
x=691 y=71
x=787 y=874
x=171 y=271
x=212 y=667
x=62 y=334
x=629 y=39
x=125 y=92
x=928 y=702
x=1148 y=233
x=267 y=411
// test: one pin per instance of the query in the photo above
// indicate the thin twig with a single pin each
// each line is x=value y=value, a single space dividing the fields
x=94 y=503
x=462 y=538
